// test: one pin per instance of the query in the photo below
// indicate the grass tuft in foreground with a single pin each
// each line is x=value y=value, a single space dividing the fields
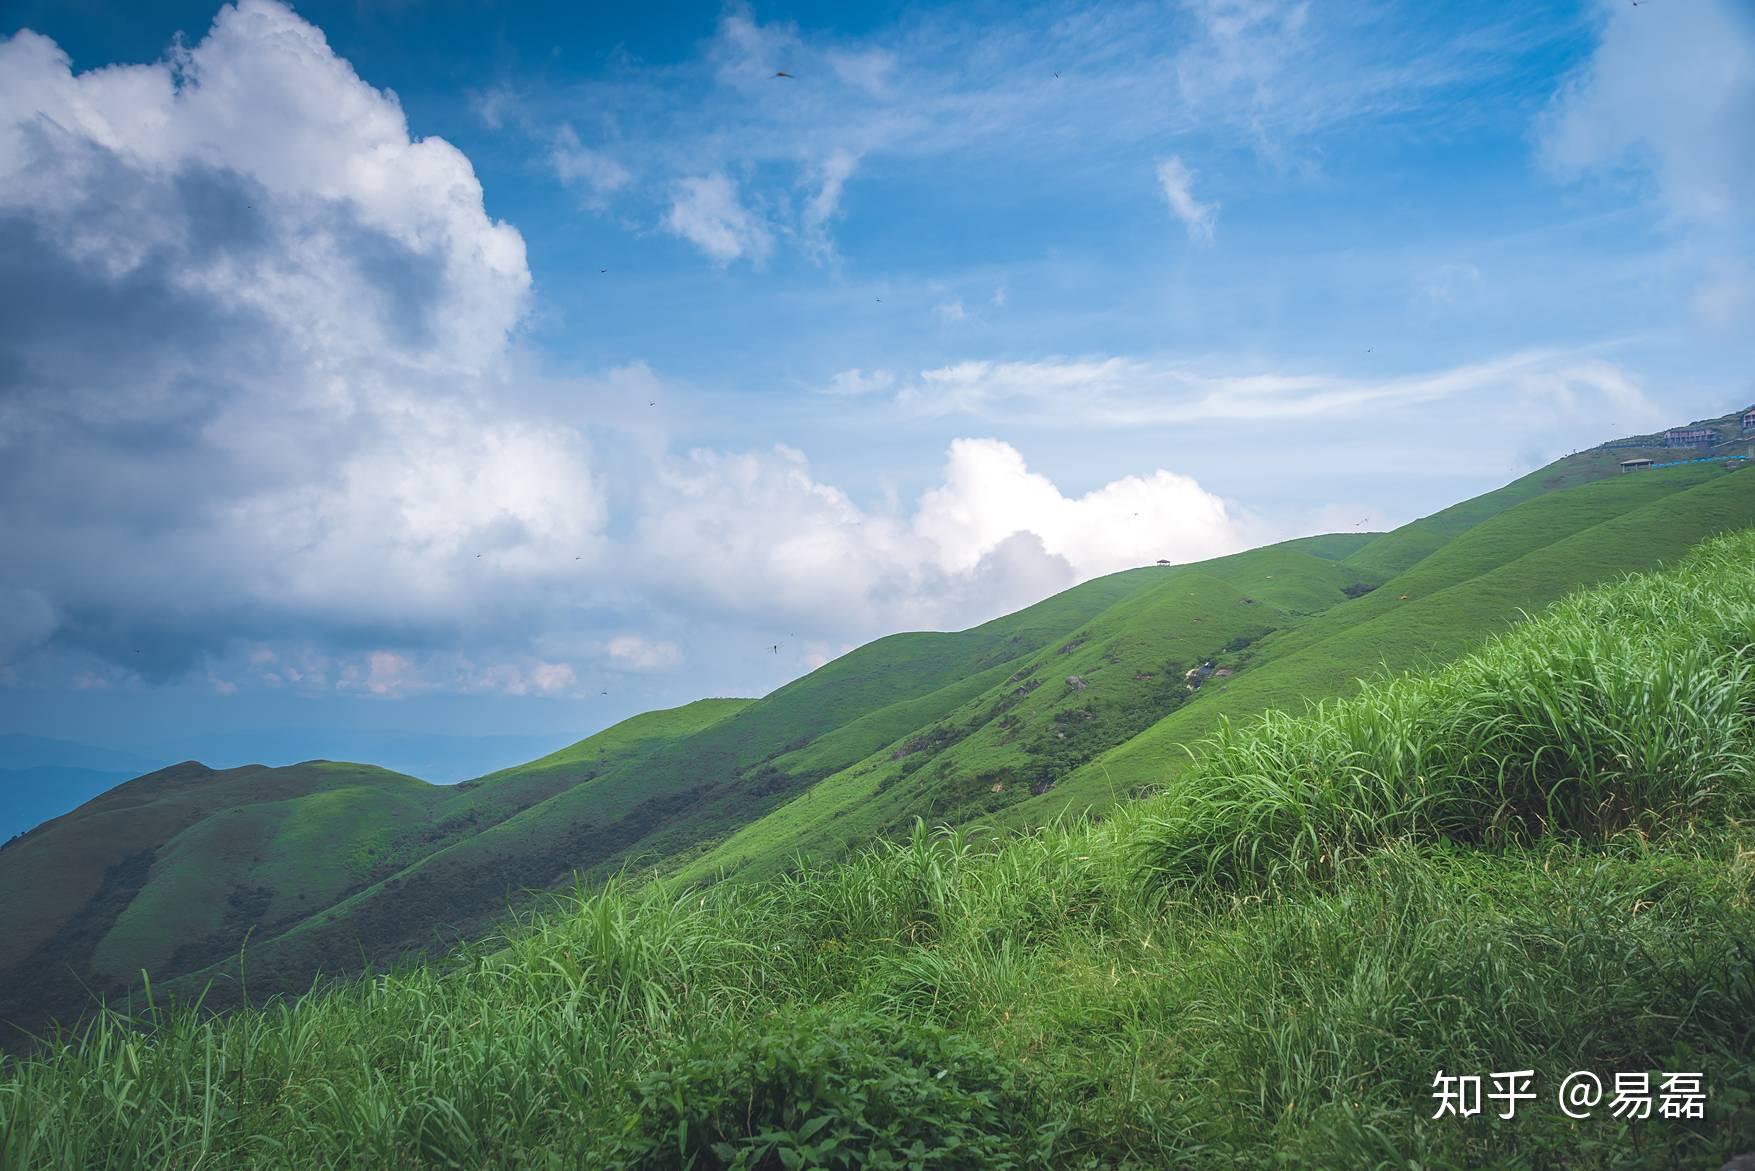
x=1624 y=708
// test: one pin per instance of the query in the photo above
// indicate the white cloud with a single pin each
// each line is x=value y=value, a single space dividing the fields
x=1178 y=184
x=635 y=652
x=1131 y=392
x=391 y=674
x=578 y=165
x=949 y=312
x=706 y=212
x=1237 y=68
x=387 y=673
x=746 y=54
x=822 y=207
x=868 y=70
x=947 y=87
x=856 y=382
x=1670 y=89
x=263 y=98
x=756 y=535
x=989 y=495
x=282 y=400
x=493 y=106
x=998 y=299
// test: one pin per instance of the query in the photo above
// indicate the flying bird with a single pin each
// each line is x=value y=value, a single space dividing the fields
x=776 y=648
x=783 y=73
x=1057 y=75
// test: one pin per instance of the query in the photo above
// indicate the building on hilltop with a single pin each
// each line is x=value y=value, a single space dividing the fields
x=1690 y=437
x=1635 y=465
x=1749 y=419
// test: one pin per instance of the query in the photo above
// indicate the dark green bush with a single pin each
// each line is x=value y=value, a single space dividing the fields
x=821 y=1090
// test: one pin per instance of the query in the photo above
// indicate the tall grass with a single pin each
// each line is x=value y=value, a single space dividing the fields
x=1533 y=859
x=1623 y=708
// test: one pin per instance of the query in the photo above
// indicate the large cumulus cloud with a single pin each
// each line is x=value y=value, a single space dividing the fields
x=250 y=328
x=762 y=534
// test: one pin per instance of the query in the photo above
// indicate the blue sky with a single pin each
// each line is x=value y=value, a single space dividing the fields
x=441 y=367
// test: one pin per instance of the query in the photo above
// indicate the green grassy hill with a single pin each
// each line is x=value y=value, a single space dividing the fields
x=199 y=859
x=1082 y=699
x=1478 y=585
x=1538 y=857
x=171 y=872
x=180 y=859
x=1104 y=682
x=1278 y=618
x=600 y=811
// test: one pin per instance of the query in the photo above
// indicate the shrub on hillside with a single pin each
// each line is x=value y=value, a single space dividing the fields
x=820 y=1090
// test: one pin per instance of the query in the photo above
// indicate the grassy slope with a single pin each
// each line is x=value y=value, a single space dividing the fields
x=599 y=814
x=170 y=871
x=72 y=882
x=1538 y=858
x=1521 y=560
x=1519 y=552
x=268 y=861
x=291 y=859
x=1393 y=552
x=50 y=873
x=1031 y=726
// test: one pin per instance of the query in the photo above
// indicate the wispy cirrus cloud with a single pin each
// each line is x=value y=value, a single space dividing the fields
x=1177 y=182
x=1109 y=392
x=940 y=89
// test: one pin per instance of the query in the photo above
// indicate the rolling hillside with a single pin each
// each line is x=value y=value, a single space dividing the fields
x=1073 y=750
x=1083 y=699
x=172 y=871
x=1538 y=857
